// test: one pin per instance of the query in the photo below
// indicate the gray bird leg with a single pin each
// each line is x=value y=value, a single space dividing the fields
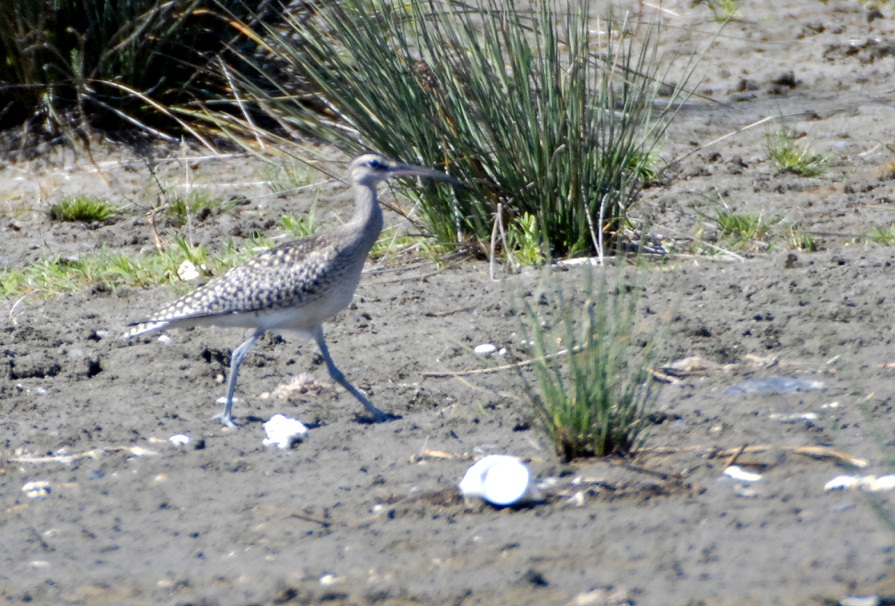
x=338 y=377
x=235 y=362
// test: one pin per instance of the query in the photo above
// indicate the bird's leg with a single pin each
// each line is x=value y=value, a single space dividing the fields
x=339 y=378
x=235 y=362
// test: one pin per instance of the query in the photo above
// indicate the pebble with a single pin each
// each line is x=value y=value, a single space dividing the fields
x=485 y=349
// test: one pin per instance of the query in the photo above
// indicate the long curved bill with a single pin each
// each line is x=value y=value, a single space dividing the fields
x=397 y=169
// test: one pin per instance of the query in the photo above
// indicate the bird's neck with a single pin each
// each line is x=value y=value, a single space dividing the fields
x=367 y=219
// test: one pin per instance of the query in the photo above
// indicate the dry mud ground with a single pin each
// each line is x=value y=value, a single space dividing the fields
x=359 y=513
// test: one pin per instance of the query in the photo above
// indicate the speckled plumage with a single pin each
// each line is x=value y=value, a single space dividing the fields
x=293 y=276
x=295 y=286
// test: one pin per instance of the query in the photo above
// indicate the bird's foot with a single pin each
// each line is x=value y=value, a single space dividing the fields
x=227 y=420
x=379 y=417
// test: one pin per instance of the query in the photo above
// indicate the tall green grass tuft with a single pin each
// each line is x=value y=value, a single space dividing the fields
x=69 y=63
x=542 y=116
x=593 y=393
x=82 y=209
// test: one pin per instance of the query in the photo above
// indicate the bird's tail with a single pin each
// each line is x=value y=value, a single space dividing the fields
x=141 y=328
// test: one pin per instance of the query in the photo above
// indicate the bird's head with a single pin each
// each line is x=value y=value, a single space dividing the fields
x=370 y=169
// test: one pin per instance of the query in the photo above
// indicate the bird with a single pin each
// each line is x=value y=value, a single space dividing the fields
x=295 y=286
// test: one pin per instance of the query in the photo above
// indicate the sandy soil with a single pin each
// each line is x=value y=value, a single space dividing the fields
x=366 y=514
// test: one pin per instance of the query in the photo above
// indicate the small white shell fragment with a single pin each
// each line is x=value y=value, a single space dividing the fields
x=738 y=473
x=139 y=451
x=499 y=479
x=792 y=418
x=179 y=440
x=164 y=339
x=485 y=349
x=881 y=484
x=39 y=489
x=860 y=600
x=577 y=499
x=187 y=271
x=842 y=482
x=746 y=491
x=284 y=432
x=868 y=483
x=594 y=261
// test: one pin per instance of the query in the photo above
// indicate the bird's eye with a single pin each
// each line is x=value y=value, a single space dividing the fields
x=377 y=164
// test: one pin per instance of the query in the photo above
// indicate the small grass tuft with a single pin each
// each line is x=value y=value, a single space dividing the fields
x=591 y=365
x=82 y=209
x=799 y=239
x=287 y=177
x=787 y=155
x=301 y=227
x=744 y=230
x=197 y=205
x=723 y=10
x=524 y=242
x=883 y=235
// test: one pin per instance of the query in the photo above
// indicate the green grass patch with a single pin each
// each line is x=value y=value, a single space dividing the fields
x=196 y=205
x=787 y=154
x=883 y=235
x=723 y=10
x=593 y=393
x=301 y=227
x=287 y=176
x=524 y=243
x=54 y=275
x=744 y=230
x=83 y=209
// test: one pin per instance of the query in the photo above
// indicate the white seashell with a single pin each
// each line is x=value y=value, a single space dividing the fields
x=187 y=271
x=284 y=432
x=868 y=483
x=880 y=484
x=790 y=418
x=39 y=489
x=179 y=440
x=841 y=482
x=499 y=479
x=738 y=473
x=165 y=339
x=485 y=349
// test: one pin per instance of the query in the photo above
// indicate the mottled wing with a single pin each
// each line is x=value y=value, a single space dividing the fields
x=292 y=274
